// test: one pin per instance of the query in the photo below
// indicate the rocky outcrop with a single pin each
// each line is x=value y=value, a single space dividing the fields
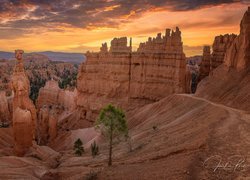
x=23 y=131
x=129 y=79
x=220 y=46
x=52 y=102
x=4 y=108
x=24 y=111
x=47 y=124
x=205 y=63
x=230 y=83
x=52 y=95
x=238 y=55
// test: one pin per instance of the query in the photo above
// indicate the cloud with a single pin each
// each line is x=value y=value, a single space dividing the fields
x=89 y=14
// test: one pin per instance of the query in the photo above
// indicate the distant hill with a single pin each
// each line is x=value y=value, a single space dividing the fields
x=6 y=55
x=75 y=58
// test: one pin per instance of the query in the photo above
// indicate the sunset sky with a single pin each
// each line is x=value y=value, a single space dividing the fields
x=81 y=25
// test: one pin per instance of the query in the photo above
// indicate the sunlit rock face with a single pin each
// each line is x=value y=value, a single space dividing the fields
x=238 y=55
x=128 y=79
x=230 y=82
x=220 y=46
x=4 y=108
x=24 y=111
x=53 y=103
x=51 y=95
x=22 y=130
x=206 y=62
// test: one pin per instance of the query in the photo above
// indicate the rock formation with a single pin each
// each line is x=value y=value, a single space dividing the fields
x=52 y=102
x=229 y=83
x=24 y=111
x=128 y=78
x=23 y=131
x=238 y=55
x=4 y=108
x=47 y=124
x=220 y=46
x=205 y=63
x=52 y=95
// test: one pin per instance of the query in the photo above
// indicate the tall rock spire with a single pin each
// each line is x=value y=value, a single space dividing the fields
x=238 y=55
x=24 y=111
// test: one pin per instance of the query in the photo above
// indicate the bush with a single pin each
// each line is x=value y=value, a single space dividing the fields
x=94 y=149
x=78 y=148
x=92 y=175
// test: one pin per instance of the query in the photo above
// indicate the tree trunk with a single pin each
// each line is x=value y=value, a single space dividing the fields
x=110 y=146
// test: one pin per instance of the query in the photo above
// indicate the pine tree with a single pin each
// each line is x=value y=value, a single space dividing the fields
x=78 y=148
x=112 y=123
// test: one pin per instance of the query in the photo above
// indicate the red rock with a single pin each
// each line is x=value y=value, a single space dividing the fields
x=205 y=63
x=238 y=55
x=24 y=111
x=130 y=79
x=23 y=131
x=4 y=108
x=220 y=46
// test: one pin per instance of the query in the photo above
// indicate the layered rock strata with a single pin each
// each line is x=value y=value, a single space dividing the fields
x=24 y=111
x=52 y=102
x=127 y=78
x=238 y=55
x=230 y=83
x=220 y=46
x=4 y=108
x=205 y=63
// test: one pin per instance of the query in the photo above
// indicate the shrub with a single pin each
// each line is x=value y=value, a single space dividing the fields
x=94 y=149
x=78 y=148
x=92 y=175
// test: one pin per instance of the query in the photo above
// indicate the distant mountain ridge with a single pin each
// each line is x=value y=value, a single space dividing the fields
x=75 y=58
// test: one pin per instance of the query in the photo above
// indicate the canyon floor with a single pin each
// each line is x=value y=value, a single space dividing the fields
x=180 y=137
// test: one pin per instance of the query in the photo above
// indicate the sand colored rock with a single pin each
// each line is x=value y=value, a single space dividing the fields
x=220 y=46
x=4 y=108
x=52 y=104
x=23 y=130
x=52 y=95
x=129 y=79
x=47 y=124
x=229 y=83
x=24 y=111
x=205 y=63
x=238 y=55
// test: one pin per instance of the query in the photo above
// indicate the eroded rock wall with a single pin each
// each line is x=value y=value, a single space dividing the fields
x=205 y=63
x=230 y=83
x=220 y=46
x=130 y=79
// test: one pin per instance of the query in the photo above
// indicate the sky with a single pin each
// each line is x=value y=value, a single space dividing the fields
x=81 y=25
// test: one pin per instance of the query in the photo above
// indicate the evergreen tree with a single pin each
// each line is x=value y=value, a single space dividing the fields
x=78 y=148
x=112 y=123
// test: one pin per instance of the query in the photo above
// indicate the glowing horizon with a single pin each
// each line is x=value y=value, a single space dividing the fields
x=33 y=30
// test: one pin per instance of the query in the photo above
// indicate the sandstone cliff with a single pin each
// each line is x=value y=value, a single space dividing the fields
x=205 y=63
x=52 y=104
x=129 y=79
x=4 y=108
x=220 y=46
x=238 y=55
x=229 y=83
